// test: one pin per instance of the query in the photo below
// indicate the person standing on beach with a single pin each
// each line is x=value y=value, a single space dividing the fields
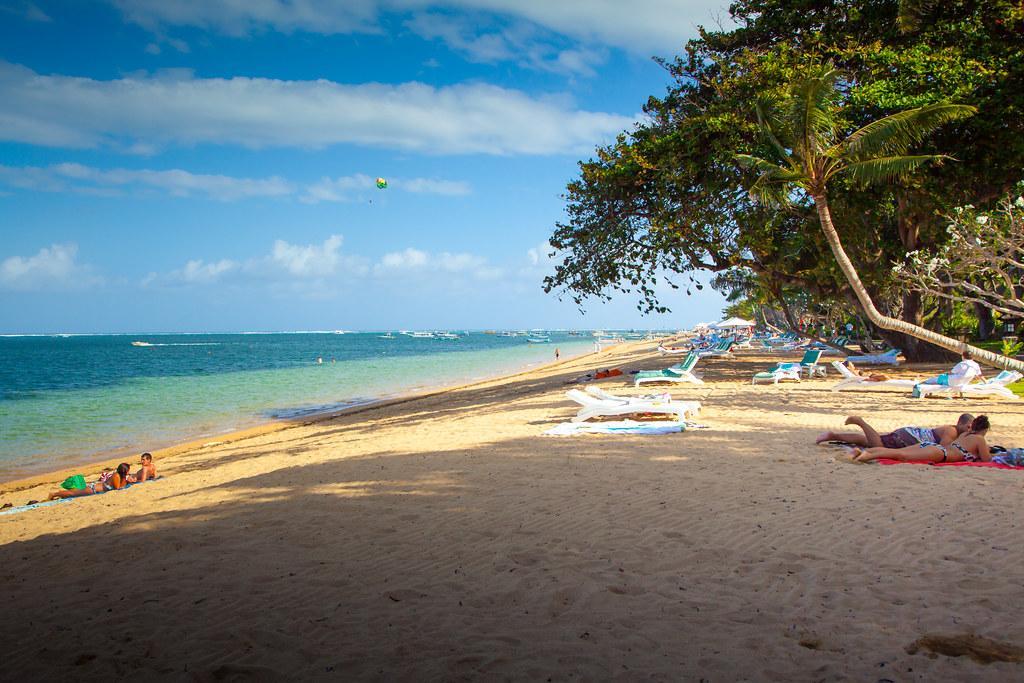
x=899 y=438
x=556 y=353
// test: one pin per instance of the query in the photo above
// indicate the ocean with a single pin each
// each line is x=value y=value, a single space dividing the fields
x=68 y=399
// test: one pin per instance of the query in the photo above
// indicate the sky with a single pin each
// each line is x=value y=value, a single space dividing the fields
x=196 y=165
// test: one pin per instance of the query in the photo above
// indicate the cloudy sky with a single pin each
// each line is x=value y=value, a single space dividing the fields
x=199 y=165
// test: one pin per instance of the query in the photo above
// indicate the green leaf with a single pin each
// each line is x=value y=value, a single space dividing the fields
x=888 y=169
x=896 y=133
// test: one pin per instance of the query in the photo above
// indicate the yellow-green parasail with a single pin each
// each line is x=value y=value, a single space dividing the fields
x=382 y=183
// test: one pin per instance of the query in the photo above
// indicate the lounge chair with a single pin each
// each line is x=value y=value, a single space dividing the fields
x=994 y=386
x=680 y=372
x=790 y=370
x=691 y=407
x=669 y=351
x=592 y=406
x=850 y=379
x=887 y=358
x=722 y=349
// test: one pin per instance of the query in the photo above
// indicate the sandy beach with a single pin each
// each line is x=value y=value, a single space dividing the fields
x=446 y=538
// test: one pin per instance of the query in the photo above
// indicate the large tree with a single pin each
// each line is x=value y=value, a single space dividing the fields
x=665 y=198
x=805 y=133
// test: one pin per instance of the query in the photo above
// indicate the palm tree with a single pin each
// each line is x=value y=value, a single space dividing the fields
x=805 y=134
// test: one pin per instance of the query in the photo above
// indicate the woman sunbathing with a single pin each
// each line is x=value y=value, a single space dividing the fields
x=108 y=481
x=869 y=376
x=968 y=447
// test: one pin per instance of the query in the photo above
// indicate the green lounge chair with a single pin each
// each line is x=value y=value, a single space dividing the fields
x=680 y=372
x=790 y=370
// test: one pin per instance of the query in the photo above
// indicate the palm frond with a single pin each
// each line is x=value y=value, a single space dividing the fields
x=888 y=169
x=896 y=133
x=813 y=114
x=768 y=119
x=773 y=182
x=770 y=194
x=764 y=167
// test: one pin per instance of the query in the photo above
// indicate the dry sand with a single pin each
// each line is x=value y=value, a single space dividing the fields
x=445 y=538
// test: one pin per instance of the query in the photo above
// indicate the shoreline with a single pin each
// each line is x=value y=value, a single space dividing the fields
x=108 y=459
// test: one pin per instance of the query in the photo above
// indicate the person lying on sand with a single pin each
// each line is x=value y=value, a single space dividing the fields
x=146 y=471
x=108 y=481
x=968 y=447
x=900 y=438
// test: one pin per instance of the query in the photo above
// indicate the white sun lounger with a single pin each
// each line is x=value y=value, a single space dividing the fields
x=852 y=380
x=668 y=351
x=995 y=386
x=592 y=406
x=887 y=358
x=691 y=407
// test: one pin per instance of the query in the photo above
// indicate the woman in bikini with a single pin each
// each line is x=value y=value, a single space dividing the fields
x=108 y=481
x=968 y=447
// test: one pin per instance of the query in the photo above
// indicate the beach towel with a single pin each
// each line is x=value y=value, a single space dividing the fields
x=24 y=508
x=621 y=427
x=991 y=465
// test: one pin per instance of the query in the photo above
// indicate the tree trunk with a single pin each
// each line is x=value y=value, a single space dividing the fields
x=887 y=323
x=986 y=324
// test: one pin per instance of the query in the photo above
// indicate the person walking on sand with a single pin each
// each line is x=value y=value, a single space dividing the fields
x=899 y=438
x=968 y=447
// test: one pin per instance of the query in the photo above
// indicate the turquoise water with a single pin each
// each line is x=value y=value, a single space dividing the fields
x=64 y=399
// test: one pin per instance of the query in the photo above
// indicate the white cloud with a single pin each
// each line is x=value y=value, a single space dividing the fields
x=302 y=266
x=69 y=177
x=308 y=260
x=53 y=267
x=538 y=255
x=342 y=189
x=412 y=260
x=521 y=43
x=409 y=258
x=642 y=26
x=200 y=272
x=25 y=10
x=177 y=108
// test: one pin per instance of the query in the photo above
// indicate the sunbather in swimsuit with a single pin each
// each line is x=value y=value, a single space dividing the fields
x=970 y=447
x=108 y=481
x=968 y=456
x=926 y=444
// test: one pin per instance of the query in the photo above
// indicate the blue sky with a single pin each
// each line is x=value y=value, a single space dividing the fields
x=201 y=165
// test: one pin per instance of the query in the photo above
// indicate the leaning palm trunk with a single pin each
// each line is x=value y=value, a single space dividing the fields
x=894 y=324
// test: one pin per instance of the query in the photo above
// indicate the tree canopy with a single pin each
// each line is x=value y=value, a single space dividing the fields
x=667 y=199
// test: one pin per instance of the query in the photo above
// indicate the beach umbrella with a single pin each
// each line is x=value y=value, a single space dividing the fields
x=733 y=323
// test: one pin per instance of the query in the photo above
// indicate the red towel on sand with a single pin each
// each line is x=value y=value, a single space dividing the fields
x=993 y=465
